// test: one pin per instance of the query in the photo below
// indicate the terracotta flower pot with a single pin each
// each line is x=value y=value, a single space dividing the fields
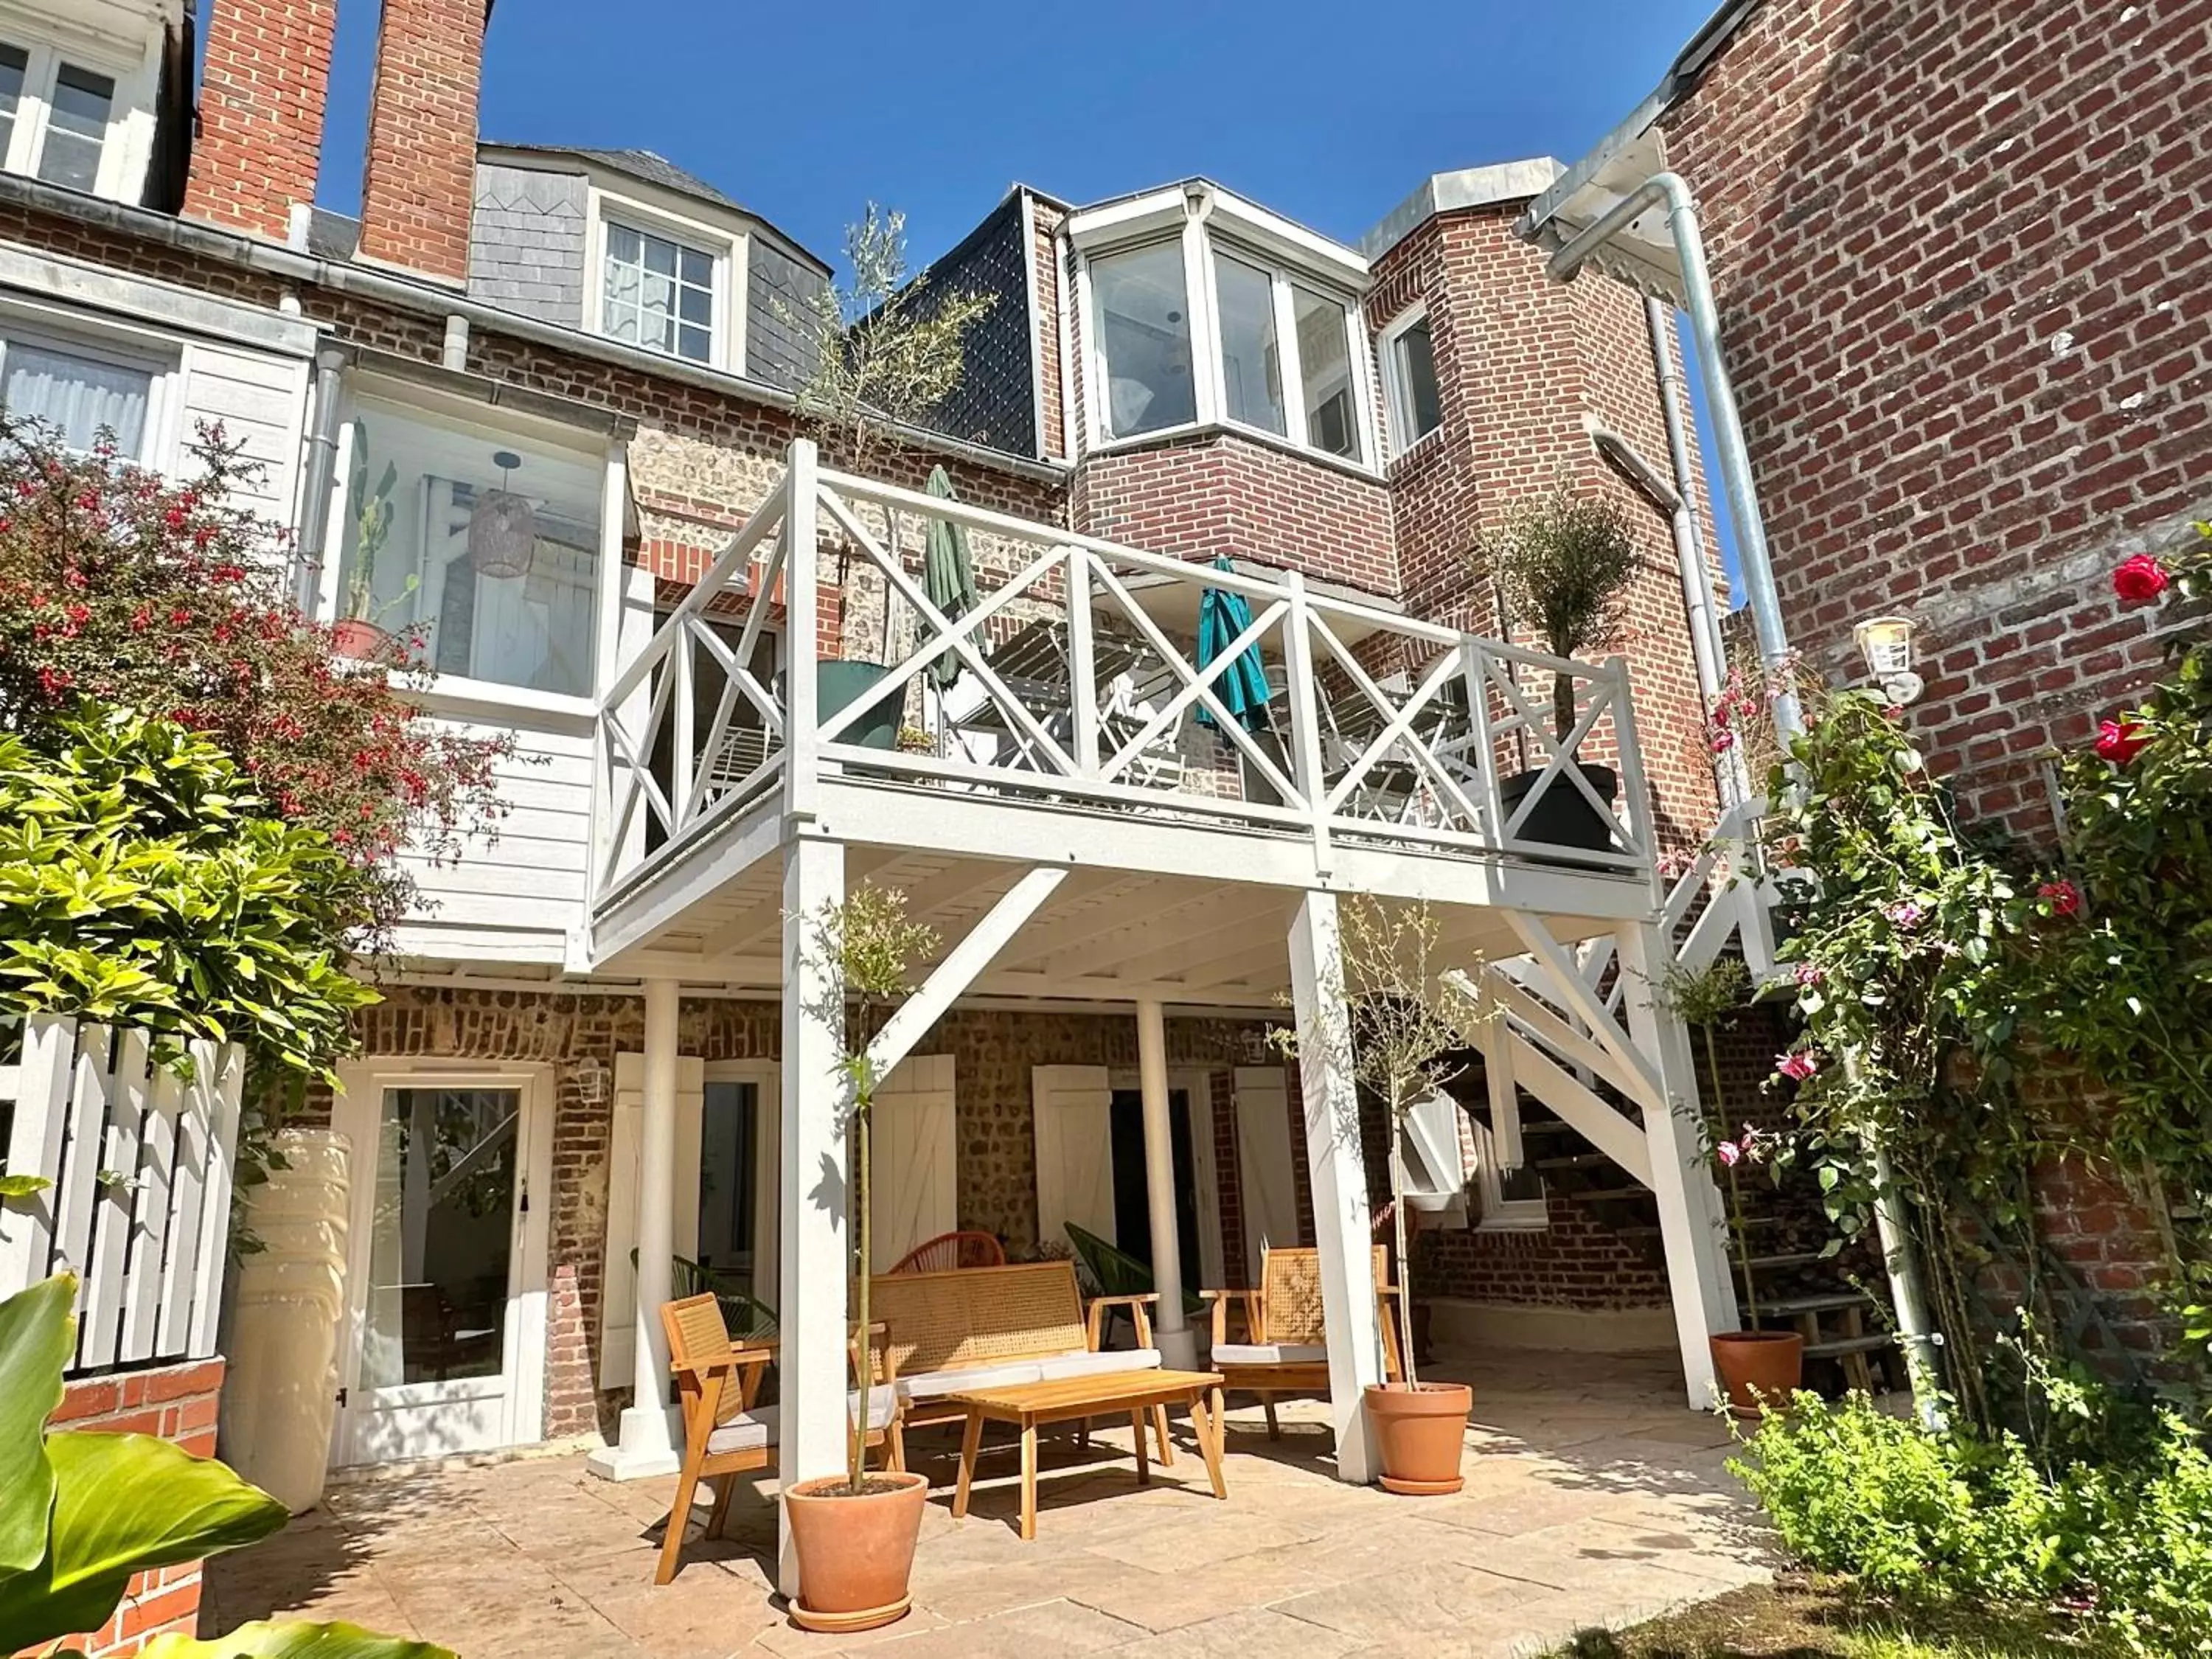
x=1420 y=1433
x=855 y=1553
x=1758 y=1365
x=354 y=637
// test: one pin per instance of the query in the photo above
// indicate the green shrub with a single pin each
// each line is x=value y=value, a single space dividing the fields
x=1909 y=1514
x=2148 y=1546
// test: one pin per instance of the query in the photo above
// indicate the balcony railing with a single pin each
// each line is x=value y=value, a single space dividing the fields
x=1074 y=681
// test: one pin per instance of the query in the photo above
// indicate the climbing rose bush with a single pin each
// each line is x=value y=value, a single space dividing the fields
x=130 y=590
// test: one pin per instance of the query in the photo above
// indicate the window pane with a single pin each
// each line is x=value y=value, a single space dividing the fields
x=1413 y=353
x=14 y=61
x=727 y=1153
x=698 y=269
x=520 y=606
x=1144 y=336
x=442 y=1243
x=658 y=294
x=76 y=127
x=1251 y=361
x=77 y=396
x=1325 y=361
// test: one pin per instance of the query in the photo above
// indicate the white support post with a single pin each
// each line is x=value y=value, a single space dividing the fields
x=815 y=1255
x=1304 y=698
x=648 y=1442
x=1082 y=664
x=1178 y=1347
x=1339 y=1177
x=802 y=648
x=1689 y=1203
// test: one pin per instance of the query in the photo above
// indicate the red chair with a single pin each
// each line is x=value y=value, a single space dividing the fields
x=949 y=1250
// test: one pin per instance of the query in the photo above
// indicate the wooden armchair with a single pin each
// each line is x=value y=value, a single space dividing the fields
x=725 y=1434
x=1285 y=1346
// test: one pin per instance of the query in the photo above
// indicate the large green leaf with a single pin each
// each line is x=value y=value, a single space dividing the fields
x=36 y=1335
x=294 y=1641
x=125 y=1501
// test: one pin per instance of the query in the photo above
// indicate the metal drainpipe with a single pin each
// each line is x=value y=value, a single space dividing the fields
x=1735 y=458
x=316 y=479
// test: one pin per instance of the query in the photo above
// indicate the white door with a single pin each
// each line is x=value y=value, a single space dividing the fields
x=446 y=1349
x=1073 y=1106
x=618 y=1274
x=913 y=1152
x=1267 y=1174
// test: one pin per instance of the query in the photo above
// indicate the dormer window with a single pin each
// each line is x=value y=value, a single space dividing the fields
x=1271 y=345
x=670 y=284
x=59 y=119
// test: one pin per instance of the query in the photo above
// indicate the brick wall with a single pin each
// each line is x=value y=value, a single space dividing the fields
x=179 y=1403
x=1213 y=492
x=1958 y=250
x=264 y=81
x=418 y=179
x=1044 y=229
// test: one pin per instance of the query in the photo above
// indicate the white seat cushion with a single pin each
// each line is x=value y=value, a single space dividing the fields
x=756 y=1429
x=935 y=1385
x=1269 y=1354
x=1100 y=1365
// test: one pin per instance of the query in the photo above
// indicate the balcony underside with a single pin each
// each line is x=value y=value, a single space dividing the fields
x=1191 y=913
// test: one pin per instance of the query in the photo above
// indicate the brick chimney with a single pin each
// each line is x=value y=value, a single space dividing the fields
x=262 y=96
x=419 y=184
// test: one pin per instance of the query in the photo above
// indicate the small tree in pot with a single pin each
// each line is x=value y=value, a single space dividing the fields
x=855 y=1532
x=1566 y=563
x=1409 y=1028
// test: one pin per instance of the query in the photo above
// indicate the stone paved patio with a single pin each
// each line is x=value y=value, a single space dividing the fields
x=1592 y=1498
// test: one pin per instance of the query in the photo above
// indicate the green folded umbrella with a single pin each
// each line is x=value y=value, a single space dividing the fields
x=948 y=574
x=1243 y=687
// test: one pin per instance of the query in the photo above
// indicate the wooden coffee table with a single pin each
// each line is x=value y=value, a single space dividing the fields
x=1029 y=1406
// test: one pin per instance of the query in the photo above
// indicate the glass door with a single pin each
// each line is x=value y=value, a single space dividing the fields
x=446 y=1270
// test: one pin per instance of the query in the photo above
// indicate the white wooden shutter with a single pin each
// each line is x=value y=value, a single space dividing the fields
x=1073 y=1106
x=1268 y=1178
x=1436 y=1181
x=914 y=1152
x=619 y=1279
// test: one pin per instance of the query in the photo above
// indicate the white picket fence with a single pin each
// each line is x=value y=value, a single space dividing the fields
x=139 y=1161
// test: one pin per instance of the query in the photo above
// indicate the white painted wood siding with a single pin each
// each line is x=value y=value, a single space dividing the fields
x=261 y=401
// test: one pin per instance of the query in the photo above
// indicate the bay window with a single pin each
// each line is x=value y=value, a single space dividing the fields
x=484 y=543
x=1142 y=329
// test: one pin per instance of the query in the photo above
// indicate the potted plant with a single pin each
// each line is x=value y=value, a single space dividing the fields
x=855 y=1532
x=1409 y=1026
x=1566 y=563
x=1755 y=1366
x=360 y=631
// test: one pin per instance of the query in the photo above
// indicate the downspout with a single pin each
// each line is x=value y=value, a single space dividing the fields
x=316 y=479
x=1735 y=458
x=1689 y=537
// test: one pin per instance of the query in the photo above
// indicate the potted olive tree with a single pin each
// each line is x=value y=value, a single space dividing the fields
x=1755 y=1366
x=1410 y=1025
x=1566 y=563
x=855 y=1532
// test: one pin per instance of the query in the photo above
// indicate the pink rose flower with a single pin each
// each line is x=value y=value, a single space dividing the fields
x=2064 y=896
x=2121 y=741
x=1798 y=1065
x=2140 y=579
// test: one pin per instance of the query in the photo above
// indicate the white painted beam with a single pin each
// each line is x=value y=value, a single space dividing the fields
x=957 y=971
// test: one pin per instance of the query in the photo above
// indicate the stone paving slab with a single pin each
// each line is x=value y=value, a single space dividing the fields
x=1593 y=1497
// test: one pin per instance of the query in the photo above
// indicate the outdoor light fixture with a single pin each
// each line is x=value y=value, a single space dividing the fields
x=1886 y=642
x=503 y=528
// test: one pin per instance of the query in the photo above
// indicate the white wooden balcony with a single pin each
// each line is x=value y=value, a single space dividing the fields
x=1081 y=732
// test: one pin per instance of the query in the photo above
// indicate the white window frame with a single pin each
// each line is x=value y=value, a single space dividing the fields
x=461 y=693
x=726 y=247
x=123 y=148
x=1501 y=1214
x=149 y=355
x=1210 y=223
x=1398 y=404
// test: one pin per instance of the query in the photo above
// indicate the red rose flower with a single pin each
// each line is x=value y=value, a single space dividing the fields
x=2121 y=741
x=2140 y=579
x=2065 y=897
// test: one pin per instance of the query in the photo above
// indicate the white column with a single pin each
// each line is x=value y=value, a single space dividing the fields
x=649 y=1441
x=1690 y=1214
x=1178 y=1347
x=811 y=1311
x=1339 y=1177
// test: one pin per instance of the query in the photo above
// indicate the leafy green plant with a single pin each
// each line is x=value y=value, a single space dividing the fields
x=145 y=881
x=1567 y=563
x=81 y=1512
x=1703 y=999
x=872 y=948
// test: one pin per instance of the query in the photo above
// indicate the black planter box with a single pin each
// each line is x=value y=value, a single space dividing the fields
x=1562 y=817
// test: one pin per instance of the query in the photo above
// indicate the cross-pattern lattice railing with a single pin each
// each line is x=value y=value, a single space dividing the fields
x=1075 y=679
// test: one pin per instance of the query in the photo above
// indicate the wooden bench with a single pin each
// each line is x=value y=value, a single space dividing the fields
x=971 y=1328
x=1285 y=1349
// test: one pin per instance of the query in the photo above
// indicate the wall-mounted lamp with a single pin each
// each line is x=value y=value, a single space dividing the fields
x=1886 y=642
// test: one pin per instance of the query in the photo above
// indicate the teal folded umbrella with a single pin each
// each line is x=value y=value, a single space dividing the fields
x=1243 y=687
x=948 y=574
